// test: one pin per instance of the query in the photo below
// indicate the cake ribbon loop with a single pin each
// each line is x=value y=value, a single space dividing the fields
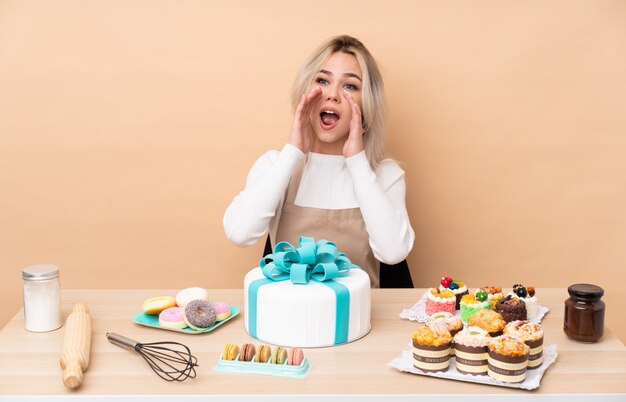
x=319 y=261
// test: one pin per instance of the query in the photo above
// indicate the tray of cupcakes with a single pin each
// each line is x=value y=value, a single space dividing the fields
x=483 y=337
x=248 y=359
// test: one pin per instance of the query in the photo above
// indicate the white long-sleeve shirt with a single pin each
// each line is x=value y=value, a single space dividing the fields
x=328 y=182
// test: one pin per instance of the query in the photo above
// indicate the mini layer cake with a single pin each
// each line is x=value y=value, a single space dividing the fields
x=494 y=293
x=488 y=320
x=445 y=320
x=457 y=287
x=471 y=351
x=470 y=305
x=511 y=308
x=440 y=301
x=528 y=295
x=431 y=349
x=532 y=335
x=507 y=359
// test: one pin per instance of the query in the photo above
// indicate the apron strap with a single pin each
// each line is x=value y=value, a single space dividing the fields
x=294 y=182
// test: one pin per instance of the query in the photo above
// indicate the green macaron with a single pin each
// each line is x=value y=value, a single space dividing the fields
x=279 y=355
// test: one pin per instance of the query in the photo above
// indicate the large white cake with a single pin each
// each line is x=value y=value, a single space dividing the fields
x=305 y=315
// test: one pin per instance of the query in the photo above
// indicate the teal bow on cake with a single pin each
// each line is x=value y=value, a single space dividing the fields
x=319 y=261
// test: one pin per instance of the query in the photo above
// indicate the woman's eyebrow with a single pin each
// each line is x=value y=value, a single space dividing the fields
x=345 y=74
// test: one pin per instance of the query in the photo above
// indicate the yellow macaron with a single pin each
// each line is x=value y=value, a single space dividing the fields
x=230 y=351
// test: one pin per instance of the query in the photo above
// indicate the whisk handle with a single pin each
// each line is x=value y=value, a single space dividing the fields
x=120 y=340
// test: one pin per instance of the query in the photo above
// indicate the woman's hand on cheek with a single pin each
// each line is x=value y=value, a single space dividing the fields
x=354 y=143
x=299 y=136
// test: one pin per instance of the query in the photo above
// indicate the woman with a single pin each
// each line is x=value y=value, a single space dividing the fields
x=330 y=180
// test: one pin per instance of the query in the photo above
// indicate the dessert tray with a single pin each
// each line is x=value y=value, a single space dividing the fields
x=152 y=320
x=418 y=313
x=252 y=367
x=533 y=377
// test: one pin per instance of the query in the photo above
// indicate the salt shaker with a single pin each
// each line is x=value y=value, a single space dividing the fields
x=42 y=298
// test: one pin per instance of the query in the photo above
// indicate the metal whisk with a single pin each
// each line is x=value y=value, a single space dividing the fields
x=172 y=361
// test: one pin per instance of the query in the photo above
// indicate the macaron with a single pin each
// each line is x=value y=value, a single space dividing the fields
x=222 y=311
x=187 y=295
x=295 y=357
x=263 y=354
x=155 y=305
x=173 y=317
x=230 y=351
x=246 y=353
x=279 y=356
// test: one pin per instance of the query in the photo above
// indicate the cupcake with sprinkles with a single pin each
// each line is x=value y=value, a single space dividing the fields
x=471 y=351
x=457 y=287
x=489 y=320
x=472 y=304
x=494 y=294
x=507 y=359
x=440 y=301
x=431 y=349
x=532 y=335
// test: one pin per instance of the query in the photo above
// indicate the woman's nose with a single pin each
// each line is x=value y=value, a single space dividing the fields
x=332 y=93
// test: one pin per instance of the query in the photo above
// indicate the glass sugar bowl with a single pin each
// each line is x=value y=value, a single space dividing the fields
x=42 y=298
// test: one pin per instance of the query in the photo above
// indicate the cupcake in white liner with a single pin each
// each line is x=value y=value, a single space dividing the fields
x=532 y=335
x=471 y=351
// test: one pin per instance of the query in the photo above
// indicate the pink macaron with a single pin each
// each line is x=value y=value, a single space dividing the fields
x=173 y=317
x=222 y=310
x=295 y=357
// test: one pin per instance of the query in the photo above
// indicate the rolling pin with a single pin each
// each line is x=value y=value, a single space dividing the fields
x=76 y=346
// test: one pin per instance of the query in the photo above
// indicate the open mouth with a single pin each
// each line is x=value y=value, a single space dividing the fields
x=328 y=119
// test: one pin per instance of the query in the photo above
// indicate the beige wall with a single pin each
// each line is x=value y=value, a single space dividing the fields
x=126 y=127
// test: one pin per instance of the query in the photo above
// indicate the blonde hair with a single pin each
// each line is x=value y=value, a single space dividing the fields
x=373 y=99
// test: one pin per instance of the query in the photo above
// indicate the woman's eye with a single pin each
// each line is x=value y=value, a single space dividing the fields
x=350 y=87
x=321 y=81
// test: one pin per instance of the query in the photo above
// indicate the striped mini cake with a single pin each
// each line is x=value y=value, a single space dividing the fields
x=471 y=351
x=507 y=359
x=445 y=320
x=532 y=335
x=431 y=349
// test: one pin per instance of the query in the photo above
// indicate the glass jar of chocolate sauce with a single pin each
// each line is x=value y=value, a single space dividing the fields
x=584 y=313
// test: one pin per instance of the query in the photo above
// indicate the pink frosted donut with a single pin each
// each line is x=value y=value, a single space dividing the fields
x=222 y=310
x=173 y=317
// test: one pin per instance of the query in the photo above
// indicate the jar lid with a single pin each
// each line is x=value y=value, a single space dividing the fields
x=585 y=290
x=40 y=272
